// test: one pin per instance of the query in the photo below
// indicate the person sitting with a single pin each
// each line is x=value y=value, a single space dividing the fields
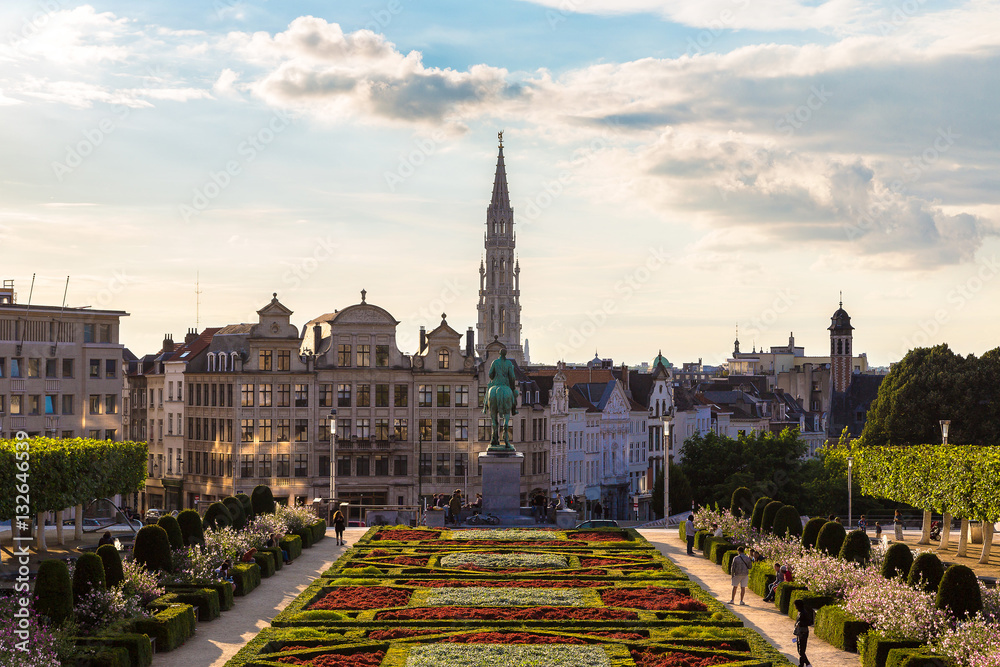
x=275 y=541
x=772 y=588
x=248 y=556
x=717 y=530
x=478 y=504
x=106 y=539
x=786 y=573
x=222 y=574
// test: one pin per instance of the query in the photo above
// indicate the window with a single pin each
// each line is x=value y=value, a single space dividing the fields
x=67 y=435
x=50 y=405
x=461 y=430
x=381 y=396
x=51 y=368
x=302 y=396
x=284 y=360
x=324 y=465
x=284 y=395
x=246 y=395
x=381 y=465
x=111 y=404
x=326 y=396
x=284 y=428
x=443 y=465
x=443 y=358
x=246 y=465
x=426 y=465
x=426 y=428
x=103 y=333
x=301 y=430
x=246 y=430
x=399 y=429
x=263 y=395
x=264 y=465
x=95 y=404
x=382 y=356
x=364 y=466
x=2 y=406
x=343 y=466
x=402 y=393
x=215 y=393
x=95 y=434
x=88 y=333
x=15 y=367
x=264 y=430
x=302 y=465
x=364 y=428
x=461 y=465
x=381 y=429
x=110 y=368
x=197 y=393
x=364 y=354
x=343 y=395
x=264 y=359
x=95 y=368
x=35 y=405
x=482 y=397
x=443 y=430
x=344 y=428
x=15 y=404
x=462 y=396
x=444 y=396
x=67 y=404
x=425 y=395
x=283 y=466
x=343 y=355
x=364 y=395
x=215 y=465
x=484 y=430
x=399 y=466
x=180 y=391
x=110 y=433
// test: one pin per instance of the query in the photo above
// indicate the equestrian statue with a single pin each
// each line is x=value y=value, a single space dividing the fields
x=501 y=402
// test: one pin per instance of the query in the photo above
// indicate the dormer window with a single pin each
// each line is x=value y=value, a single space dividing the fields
x=443 y=358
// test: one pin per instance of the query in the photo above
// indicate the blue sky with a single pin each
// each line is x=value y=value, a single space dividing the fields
x=676 y=168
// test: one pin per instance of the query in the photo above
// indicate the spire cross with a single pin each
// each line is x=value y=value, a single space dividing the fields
x=500 y=137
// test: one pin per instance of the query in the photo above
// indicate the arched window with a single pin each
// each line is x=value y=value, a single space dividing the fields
x=211 y=362
x=503 y=321
x=847 y=347
x=443 y=358
x=503 y=270
x=840 y=347
x=493 y=320
x=233 y=359
x=833 y=347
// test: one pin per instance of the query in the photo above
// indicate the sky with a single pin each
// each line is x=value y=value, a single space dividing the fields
x=677 y=169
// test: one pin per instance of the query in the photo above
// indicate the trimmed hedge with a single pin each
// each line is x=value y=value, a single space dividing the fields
x=246 y=576
x=917 y=657
x=206 y=599
x=810 y=600
x=787 y=522
x=217 y=516
x=275 y=552
x=831 y=538
x=112 y=561
x=727 y=560
x=838 y=627
x=874 y=648
x=169 y=524
x=699 y=539
x=171 y=626
x=761 y=577
x=926 y=572
x=247 y=506
x=767 y=519
x=223 y=589
x=857 y=548
x=265 y=561
x=718 y=548
x=293 y=545
x=262 y=500
x=107 y=656
x=897 y=562
x=810 y=532
x=54 y=591
x=741 y=503
x=959 y=592
x=318 y=530
x=192 y=530
x=138 y=648
x=783 y=595
x=88 y=576
x=235 y=508
x=306 y=535
x=152 y=548
x=758 y=512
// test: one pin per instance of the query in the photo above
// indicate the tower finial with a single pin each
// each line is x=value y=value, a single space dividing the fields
x=500 y=137
x=841 y=298
x=364 y=293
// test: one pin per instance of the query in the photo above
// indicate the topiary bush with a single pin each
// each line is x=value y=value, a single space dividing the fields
x=192 y=532
x=88 y=576
x=926 y=572
x=758 y=512
x=787 y=522
x=217 y=516
x=897 y=562
x=262 y=500
x=247 y=505
x=838 y=627
x=112 y=561
x=767 y=519
x=741 y=504
x=810 y=532
x=54 y=591
x=857 y=548
x=235 y=508
x=959 y=592
x=173 y=530
x=831 y=538
x=874 y=648
x=152 y=549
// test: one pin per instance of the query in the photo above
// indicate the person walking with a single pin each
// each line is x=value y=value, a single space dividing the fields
x=689 y=532
x=598 y=509
x=455 y=506
x=339 y=523
x=863 y=525
x=801 y=631
x=740 y=571
x=878 y=530
x=897 y=526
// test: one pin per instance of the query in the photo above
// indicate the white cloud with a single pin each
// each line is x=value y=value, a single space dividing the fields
x=79 y=36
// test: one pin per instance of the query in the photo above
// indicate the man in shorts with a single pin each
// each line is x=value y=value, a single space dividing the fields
x=740 y=571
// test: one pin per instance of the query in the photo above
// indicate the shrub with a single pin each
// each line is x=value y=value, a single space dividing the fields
x=307 y=537
x=293 y=545
x=88 y=576
x=318 y=530
x=235 y=508
x=783 y=595
x=217 y=516
x=959 y=592
x=54 y=591
x=810 y=532
x=247 y=506
x=741 y=504
x=246 y=576
x=265 y=561
x=223 y=589
x=174 y=535
x=917 y=657
x=758 y=512
x=137 y=646
x=277 y=558
x=727 y=560
x=171 y=626
x=112 y=562
x=857 y=548
x=838 y=627
x=192 y=531
x=761 y=577
x=831 y=538
x=787 y=522
x=810 y=600
x=897 y=561
x=699 y=539
x=206 y=599
x=874 y=648
x=926 y=572
x=152 y=548
x=718 y=550
x=262 y=500
x=767 y=519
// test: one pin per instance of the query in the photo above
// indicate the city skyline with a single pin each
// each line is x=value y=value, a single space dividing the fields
x=674 y=171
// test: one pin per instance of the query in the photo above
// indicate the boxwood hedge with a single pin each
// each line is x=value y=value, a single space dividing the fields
x=874 y=648
x=139 y=649
x=246 y=576
x=293 y=545
x=171 y=626
x=838 y=627
x=810 y=600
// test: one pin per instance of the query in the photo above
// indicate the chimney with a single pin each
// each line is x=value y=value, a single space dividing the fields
x=192 y=335
x=625 y=376
x=423 y=340
x=468 y=342
x=317 y=337
x=168 y=343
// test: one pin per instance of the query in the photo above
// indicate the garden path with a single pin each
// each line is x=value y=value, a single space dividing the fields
x=215 y=642
x=757 y=615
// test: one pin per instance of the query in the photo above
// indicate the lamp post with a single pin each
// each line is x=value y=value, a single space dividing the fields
x=945 y=425
x=850 y=496
x=420 y=464
x=333 y=460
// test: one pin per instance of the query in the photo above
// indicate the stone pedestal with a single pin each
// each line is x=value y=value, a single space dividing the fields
x=566 y=518
x=435 y=518
x=502 y=484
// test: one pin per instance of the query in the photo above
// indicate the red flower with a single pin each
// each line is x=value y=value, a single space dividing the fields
x=371 y=659
x=599 y=537
x=658 y=598
x=408 y=535
x=362 y=597
x=510 y=638
x=489 y=583
x=677 y=659
x=508 y=614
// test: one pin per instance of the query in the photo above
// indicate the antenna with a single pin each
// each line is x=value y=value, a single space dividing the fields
x=55 y=343
x=20 y=341
x=197 y=300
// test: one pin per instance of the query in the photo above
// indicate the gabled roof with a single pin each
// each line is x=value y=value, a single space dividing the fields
x=235 y=329
x=189 y=351
x=577 y=375
x=275 y=307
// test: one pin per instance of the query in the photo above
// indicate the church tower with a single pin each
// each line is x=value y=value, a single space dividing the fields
x=840 y=349
x=499 y=273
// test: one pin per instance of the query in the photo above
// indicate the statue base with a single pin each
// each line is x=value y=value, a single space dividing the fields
x=502 y=483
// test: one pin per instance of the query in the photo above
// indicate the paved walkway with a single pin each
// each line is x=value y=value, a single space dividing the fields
x=215 y=642
x=757 y=615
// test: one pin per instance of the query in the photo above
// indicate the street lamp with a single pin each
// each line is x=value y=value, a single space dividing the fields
x=333 y=458
x=420 y=465
x=945 y=425
x=850 y=497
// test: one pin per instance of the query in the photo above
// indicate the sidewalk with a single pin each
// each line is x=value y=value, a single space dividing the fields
x=215 y=642
x=757 y=615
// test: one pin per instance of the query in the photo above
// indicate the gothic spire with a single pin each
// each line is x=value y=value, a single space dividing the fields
x=501 y=198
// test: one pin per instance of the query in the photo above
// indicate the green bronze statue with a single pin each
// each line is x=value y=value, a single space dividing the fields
x=501 y=402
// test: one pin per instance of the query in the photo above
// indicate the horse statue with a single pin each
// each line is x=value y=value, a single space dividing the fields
x=500 y=404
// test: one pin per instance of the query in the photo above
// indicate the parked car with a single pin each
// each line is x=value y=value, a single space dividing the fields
x=153 y=514
x=87 y=523
x=598 y=523
x=354 y=523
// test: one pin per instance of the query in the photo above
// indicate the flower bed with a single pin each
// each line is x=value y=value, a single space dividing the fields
x=508 y=614
x=650 y=658
x=363 y=597
x=506 y=535
x=659 y=599
x=371 y=659
x=436 y=544
x=515 y=597
x=487 y=583
x=403 y=535
x=523 y=655
x=598 y=536
x=497 y=561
